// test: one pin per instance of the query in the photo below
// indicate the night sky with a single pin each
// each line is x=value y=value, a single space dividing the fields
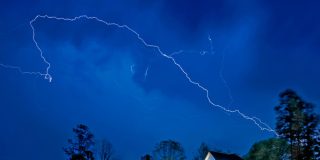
x=257 y=49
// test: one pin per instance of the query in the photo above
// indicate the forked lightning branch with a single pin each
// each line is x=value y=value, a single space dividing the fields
x=46 y=74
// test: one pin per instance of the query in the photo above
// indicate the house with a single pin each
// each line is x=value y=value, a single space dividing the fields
x=212 y=155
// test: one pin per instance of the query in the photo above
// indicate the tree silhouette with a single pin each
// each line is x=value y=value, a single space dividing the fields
x=105 y=151
x=297 y=123
x=80 y=148
x=316 y=148
x=202 y=152
x=270 y=149
x=169 y=150
x=146 y=157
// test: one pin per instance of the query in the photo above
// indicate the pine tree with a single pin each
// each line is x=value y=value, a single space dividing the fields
x=80 y=148
x=297 y=123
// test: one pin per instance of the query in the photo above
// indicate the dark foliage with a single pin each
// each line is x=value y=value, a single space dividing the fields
x=202 y=152
x=80 y=148
x=105 y=150
x=169 y=150
x=270 y=149
x=297 y=123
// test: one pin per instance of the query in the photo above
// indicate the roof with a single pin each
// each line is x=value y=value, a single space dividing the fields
x=224 y=156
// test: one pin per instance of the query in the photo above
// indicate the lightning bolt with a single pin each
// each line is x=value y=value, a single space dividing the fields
x=202 y=53
x=211 y=45
x=260 y=124
x=176 y=53
x=224 y=81
x=21 y=71
x=46 y=74
x=132 y=69
x=146 y=73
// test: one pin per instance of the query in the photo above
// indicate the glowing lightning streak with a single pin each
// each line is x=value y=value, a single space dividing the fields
x=176 y=53
x=224 y=80
x=225 y=83
x=132 y=69
x=146 y=73
x=46 y=75
x=202 y=53
x=221 y=70
x=263 y=126
x=21 y=71
x=211 y=46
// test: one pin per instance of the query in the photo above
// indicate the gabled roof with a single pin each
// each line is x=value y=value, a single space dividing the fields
x=224 y=156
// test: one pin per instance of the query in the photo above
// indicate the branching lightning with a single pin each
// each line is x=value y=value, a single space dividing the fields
x=221 y=70
x=263 y=126
x=46 y=75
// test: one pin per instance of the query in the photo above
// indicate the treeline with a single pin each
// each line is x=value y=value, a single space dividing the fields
x=84 y=147
x=297 y=126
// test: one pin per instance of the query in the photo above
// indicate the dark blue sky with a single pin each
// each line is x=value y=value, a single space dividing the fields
x=260 y=48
